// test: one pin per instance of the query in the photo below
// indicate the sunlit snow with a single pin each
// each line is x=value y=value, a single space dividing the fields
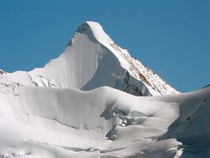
x=95 y=100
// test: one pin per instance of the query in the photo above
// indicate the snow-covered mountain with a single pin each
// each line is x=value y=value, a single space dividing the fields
x=91 y=60
x=76 y=106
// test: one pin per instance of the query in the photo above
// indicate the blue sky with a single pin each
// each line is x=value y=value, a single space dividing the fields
x=172 y=37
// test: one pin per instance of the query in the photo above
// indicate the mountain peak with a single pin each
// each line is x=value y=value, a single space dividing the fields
x=55 y=102
x=94 y=26
x=94 y=29
x=91 y=60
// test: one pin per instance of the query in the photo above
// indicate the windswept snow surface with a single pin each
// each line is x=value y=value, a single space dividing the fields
x=46 y=122
x=77 y=106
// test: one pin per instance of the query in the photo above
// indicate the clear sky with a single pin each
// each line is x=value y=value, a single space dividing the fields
x=172 y=37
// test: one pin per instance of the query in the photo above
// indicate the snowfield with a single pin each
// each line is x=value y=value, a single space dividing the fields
x=54 y=122
x=95 y=101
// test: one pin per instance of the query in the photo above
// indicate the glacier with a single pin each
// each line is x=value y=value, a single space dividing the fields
x=95 y=100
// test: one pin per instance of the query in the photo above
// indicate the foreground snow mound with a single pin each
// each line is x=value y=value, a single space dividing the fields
x=91 y=60
x=53 y=123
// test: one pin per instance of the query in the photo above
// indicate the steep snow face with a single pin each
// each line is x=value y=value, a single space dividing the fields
x=46 y=122
x=92 y=59
x=134 y=67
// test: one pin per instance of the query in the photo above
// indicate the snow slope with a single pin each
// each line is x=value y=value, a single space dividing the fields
x=91 y=60
x=46 y=122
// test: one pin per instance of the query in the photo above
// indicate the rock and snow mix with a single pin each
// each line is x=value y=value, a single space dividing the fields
x=79 y=105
